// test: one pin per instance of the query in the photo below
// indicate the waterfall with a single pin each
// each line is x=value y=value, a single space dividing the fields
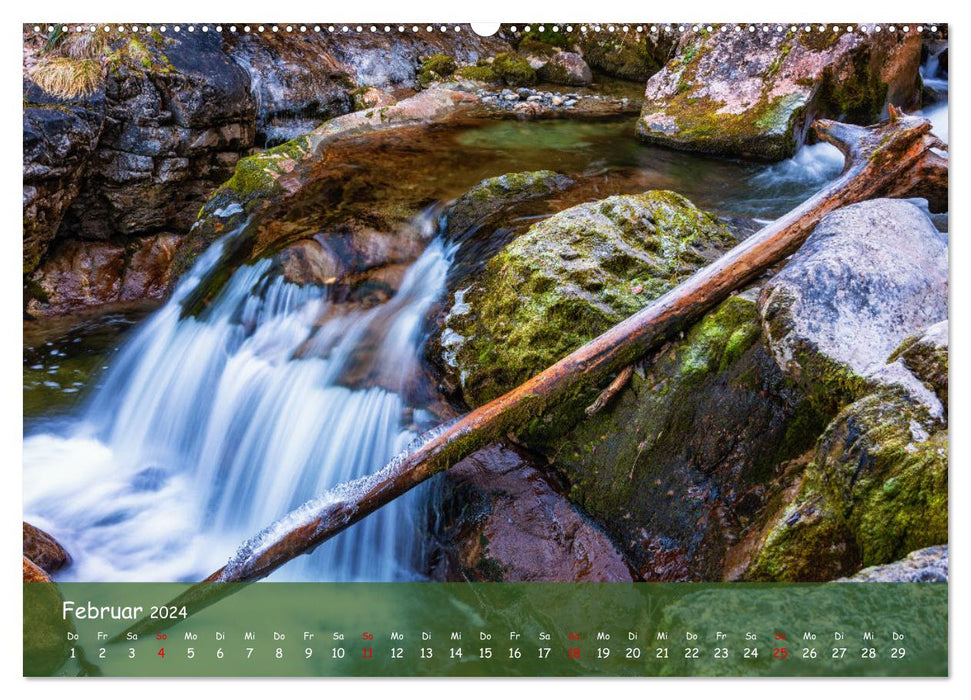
x=208 y=428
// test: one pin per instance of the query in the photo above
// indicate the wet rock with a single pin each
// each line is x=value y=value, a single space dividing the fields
x=923 y=566
x=753 y=94
x=309 y=262
x=495 y=194
x=568 y=279
x=870 y=275
x=33 y=573
x=79 y=274
x=875 y=490
x=506 y=522
x=59 y=137
x=566 y=68
x=43 y=550
x=265 y=179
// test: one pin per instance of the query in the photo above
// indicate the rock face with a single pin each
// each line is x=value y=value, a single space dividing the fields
x=568 y=279
x=566 y=68
x=59 y=137
x=505 y=522
x=923 y=566
x=753 y=94
x=172 y=116
x=43 y=550
x=870 y=275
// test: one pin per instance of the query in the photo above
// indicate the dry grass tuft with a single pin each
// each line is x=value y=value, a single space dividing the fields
x=66 y=77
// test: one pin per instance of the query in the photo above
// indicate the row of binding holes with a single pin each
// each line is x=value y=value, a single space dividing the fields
x=344 y=28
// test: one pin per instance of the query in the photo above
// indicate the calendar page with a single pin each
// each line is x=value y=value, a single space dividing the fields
x=525 y=349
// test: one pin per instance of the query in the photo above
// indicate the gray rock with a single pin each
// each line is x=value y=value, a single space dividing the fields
x=870 y=275
x=923 y=566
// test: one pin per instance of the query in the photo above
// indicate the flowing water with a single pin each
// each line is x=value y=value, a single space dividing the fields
x=202 y=430
x=206 y=429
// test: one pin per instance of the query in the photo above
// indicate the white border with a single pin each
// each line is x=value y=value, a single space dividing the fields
x=487 y=11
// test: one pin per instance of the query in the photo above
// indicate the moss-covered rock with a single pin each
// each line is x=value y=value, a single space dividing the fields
x=876 y=490
x=630 y=56
x=683 y=462
x=752 y=94
x=566 y=68
x=513 y=69
x=568 y=279
x=435 y=68
x=688 y=457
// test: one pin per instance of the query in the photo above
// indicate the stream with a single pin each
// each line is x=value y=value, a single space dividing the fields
x=156 y=443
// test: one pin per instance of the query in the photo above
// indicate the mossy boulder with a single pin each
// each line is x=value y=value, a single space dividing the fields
x=686 y=459
x=876 y=490
x=566 y=68
x=513 y=69
x=435 y=68
x=568 y=279
x=630 y=56
x=869 y=275
x=753 y=94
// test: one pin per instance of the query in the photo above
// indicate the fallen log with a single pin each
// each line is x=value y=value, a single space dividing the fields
x=880 y=159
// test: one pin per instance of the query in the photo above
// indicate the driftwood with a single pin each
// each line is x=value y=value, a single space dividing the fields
x=883 y=159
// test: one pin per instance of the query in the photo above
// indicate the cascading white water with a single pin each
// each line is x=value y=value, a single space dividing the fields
x=206 y=429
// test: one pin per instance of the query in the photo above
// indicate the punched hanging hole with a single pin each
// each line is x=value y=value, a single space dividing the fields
x=485 y=28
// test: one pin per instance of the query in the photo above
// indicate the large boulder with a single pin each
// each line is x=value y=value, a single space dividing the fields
x=568 y=279
x=753 y=94
x=503 y=520
x=566 y=68
x=869 y=275
x=179 y=115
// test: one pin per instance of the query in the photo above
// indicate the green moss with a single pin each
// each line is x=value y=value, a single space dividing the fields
x=876 y=490
x=536 y=38
x=857 y=98
x=720 y=339
x=532 y=46
x=513 y=69
x=571 y=277
x=819 y=41
x=764 y=131
x=479 y=73
x=435 y=68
